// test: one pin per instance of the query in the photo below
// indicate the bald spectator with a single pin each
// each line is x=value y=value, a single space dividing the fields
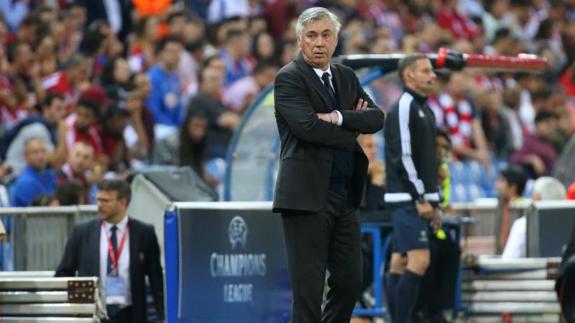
x=80 y=165
x=544 y=189
x=49 y=126
x=37 y=179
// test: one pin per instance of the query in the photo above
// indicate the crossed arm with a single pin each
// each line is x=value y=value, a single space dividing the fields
x=294 y=107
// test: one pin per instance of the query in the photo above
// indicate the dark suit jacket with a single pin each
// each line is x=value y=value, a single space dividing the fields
x=82 y=258
x=96 y=10
x=308 y=144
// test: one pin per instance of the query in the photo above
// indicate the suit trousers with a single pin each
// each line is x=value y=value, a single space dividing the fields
x=124 y=315
x=316 y=242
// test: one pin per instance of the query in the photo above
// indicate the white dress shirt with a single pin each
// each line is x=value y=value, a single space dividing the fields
x=124 y=262
x=516 y=246
x=114 y=13
x=319 y=73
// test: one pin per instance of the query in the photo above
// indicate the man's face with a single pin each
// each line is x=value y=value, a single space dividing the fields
x=81 y=158
x=170 y=55
x=109 y=206
x=318 y=42
x=197 y=128
x=503 y=188
x=56 y=111
x=266 y=76
x=212 y=81
x=367 y=143
x=546 y=129
x=24 y=57
x=218 y=64
x=117 y=124
x=242 y=44
x=457 y=84
x=422 y=76
x=443 y=148
x=36 y=155
x=84 y=117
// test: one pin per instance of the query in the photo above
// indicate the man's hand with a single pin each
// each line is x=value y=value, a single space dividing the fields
x=435 y=221
x=331 y=117
x=425 y=210
x=361 y=105
x=537 y=163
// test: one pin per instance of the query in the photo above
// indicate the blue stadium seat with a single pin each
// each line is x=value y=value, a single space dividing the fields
x=458 y=193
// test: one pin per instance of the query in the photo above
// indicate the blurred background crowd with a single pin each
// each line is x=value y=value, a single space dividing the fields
x=93 y=89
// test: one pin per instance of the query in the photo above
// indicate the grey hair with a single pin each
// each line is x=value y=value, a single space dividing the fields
x=549 y=188
x=314 y=14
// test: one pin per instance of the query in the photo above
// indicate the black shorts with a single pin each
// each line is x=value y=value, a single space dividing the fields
x=410 y=231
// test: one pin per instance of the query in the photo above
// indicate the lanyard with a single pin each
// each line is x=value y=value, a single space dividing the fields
x=115 y=257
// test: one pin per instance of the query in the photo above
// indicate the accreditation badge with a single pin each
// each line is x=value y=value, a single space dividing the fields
x=115 y=290
x=170 y=100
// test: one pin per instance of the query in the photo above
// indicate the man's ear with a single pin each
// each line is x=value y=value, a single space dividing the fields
x=408 y=74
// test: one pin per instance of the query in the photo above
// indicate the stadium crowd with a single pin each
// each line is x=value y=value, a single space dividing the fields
x=100 y=88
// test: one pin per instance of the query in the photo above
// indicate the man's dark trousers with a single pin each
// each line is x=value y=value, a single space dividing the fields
x=328 y=239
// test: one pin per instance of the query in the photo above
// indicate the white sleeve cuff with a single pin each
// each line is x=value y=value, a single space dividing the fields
x=340 y=118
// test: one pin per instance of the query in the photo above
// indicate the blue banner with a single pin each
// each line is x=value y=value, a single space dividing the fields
x=232 y=267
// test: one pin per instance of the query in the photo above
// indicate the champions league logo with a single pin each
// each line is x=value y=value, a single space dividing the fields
x=238 y=232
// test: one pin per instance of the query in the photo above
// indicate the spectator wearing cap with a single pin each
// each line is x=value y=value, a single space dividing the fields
x=544 y=189
x=510 y=187
x=37 y=179
x=242 y=92
x=49 y=126
x=114 y=124
x=165 y=99
x=537 y=154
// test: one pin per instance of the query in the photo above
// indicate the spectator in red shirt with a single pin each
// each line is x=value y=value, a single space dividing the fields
x=537 y=153
x=449 y=18
x=114 y=123
x=65 y=82
x=80 y=162
x=83 y=125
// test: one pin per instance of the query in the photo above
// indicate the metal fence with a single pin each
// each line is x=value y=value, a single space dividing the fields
x=36 y=236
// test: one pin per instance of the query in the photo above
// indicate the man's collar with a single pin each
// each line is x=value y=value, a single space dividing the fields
x=319 y=72
x=121 y=225
x=416 y=95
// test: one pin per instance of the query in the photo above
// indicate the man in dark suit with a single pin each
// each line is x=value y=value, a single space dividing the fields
x=121 y=251
x=320 y=110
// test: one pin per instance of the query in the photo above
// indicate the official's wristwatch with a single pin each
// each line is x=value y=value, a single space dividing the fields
x=421 y=199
